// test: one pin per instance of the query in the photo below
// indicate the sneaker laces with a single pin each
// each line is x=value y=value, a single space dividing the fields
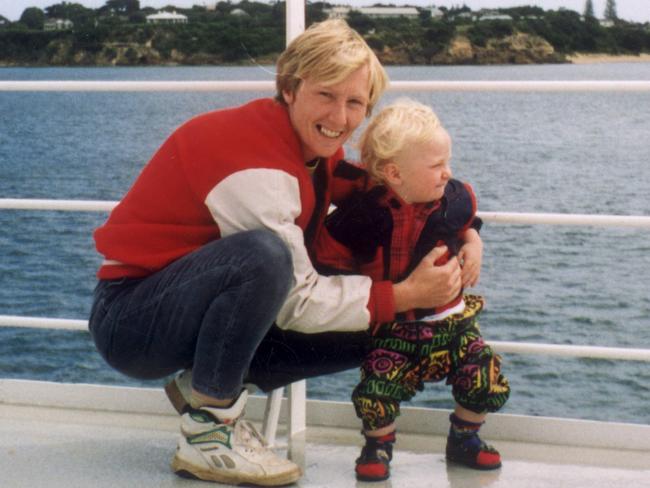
x=248 y=436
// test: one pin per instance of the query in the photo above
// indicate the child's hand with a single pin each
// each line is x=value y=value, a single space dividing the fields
x=470 y=257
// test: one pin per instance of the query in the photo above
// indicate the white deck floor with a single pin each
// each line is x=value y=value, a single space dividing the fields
x=46 y=443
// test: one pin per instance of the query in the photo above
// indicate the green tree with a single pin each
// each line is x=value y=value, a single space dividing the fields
x=359 y=22
x=589 y=9
x=25 y=46
x=62 y=10
x=223 y=8
x=90 y=39
x=610 y=10
x=80 y=16
x=314 y=13
x=480 y=32
x=123 y=6
x=437 y=37
x=562 y=29
x=138 y=18
x=56 y=11
x=628 y=39
x=33 y=18
x=425 y=16
x=521 y=12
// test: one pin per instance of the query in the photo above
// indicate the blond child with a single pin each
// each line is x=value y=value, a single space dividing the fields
x=408 y=204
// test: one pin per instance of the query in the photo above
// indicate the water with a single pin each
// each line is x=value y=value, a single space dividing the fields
x=529 y=152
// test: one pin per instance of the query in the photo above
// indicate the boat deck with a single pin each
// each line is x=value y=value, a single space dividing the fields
x=91 y=436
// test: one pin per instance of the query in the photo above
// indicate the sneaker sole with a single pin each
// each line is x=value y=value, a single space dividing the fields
x=187 y=470
x=371 y=478
x=175 y=396
x=467 y=464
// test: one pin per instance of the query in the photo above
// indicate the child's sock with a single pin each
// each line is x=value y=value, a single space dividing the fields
x=374 y=462
x=464 y=446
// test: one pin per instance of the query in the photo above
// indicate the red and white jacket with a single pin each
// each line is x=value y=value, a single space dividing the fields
x=229 y=171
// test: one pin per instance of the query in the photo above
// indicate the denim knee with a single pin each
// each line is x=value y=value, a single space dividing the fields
x=274 y=257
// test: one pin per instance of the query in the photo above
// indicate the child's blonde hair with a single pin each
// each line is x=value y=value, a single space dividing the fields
x=398 y=126
x=328 y=52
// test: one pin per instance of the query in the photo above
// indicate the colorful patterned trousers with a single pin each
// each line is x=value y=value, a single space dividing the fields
x=406 y=355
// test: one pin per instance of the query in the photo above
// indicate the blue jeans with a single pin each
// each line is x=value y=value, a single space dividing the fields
x=213 y=310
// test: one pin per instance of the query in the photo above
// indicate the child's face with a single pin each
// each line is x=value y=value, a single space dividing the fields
x=423 y=169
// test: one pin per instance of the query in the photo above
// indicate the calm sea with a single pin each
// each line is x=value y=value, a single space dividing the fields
x=527 y=152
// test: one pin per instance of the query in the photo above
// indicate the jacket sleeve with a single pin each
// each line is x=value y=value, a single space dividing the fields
x=475 y=221
x=270 y=199
x=331 y=256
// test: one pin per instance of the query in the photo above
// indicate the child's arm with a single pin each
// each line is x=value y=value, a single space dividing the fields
x=470 y=257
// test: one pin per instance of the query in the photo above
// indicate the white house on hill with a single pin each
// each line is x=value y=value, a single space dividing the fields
x=167 y=18
x=57 y=24
x=487 y=17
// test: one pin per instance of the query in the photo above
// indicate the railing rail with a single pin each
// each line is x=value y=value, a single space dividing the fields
x=598 y=352
x=640 y=221
x=63 y=205
x=267 y=85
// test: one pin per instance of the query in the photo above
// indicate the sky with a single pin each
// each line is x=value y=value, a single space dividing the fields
x=632 y=10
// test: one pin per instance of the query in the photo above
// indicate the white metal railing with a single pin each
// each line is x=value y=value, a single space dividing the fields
x=500 y=346
x=496 y=217
x=42 y=323
x=401 y=86
x=295 y=23
x=640 y=221
x=65 y=205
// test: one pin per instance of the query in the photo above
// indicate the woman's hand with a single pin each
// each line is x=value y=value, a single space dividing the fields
x=429 y=286
x=470 y=257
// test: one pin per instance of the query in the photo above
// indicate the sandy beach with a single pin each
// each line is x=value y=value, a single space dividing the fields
x=584 y=58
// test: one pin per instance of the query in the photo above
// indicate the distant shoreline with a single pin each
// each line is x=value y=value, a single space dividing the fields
x=577 y=58
x=589 y=58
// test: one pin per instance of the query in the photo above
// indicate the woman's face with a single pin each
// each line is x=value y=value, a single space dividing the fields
x=324 y=117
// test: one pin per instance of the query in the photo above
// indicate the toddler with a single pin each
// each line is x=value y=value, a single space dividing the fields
x=407 y=203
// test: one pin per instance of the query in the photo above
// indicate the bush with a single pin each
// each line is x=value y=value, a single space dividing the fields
x=26 y=46
x=630 y=40
x=480 y=32
x=90 y=39
x=33 y=18
x=375 y=43
x=359 y=22
x=437 y=36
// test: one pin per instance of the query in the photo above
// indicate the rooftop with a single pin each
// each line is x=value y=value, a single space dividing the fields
x=164 y=15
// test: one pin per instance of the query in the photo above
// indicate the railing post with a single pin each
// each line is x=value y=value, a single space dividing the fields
x=296 y=392
x=272 y=415
x=295 y=19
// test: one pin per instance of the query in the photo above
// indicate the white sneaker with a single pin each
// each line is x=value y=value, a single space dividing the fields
x=216 y=445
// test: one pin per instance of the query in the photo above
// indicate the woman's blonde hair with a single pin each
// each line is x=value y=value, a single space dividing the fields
x=398 y=126
x=328 y=52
